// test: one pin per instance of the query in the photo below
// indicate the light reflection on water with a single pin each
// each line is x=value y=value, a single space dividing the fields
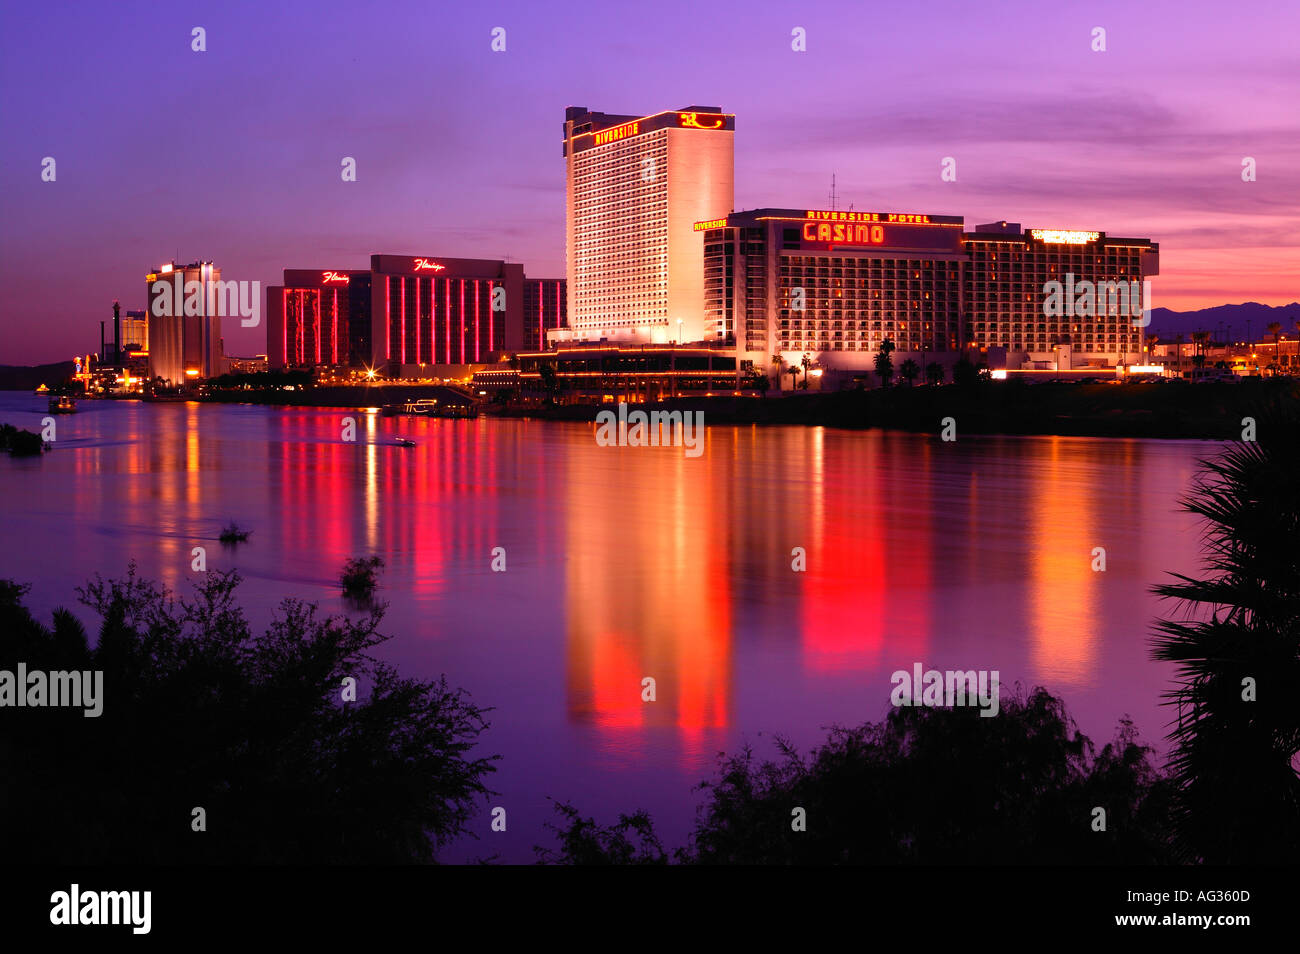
x=625 y=563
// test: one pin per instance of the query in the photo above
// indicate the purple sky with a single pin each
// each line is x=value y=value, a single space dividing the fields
x=233 y=154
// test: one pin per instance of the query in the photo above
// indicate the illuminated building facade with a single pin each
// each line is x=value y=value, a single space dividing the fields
x=546 y=308
x=409 y=315
x=319 y=318
x=634 y=188
x=135 y=331
x=1004 y=295
x=610 y=372
x=183 y=347
x=832 y=285
x=432 y=311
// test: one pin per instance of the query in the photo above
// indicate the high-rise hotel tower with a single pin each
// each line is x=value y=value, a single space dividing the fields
x=635 y=187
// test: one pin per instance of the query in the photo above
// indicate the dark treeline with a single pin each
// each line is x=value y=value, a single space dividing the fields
x=923 y=786
x=255 y=729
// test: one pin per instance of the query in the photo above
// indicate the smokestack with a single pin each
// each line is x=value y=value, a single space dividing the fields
x=101 y=340
x=117 y=333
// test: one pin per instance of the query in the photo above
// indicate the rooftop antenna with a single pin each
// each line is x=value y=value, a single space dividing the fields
x=833 y=195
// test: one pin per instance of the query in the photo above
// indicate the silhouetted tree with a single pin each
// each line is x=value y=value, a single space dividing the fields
x=200 y=712
x=630 y=841
x=965 y=373
x=884 y=363
x=1237 y=650
x=925 y=785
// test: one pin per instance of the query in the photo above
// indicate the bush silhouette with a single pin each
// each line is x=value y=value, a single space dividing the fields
x=198 y=711
x=924 y=786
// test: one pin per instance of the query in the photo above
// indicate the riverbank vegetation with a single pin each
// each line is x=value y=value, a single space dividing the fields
x=218 y=745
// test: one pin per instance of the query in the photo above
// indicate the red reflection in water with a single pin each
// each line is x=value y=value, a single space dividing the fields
x=868 y=577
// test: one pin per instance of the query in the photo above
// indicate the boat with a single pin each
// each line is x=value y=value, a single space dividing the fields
x=63 y=404
x=405 y=442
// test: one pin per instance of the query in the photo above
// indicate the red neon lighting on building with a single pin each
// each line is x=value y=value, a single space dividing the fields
x=557 y=305
x=403 y=348
x=423 y=264
x=447 y=320
x=462 y=321
x=284 y=326
x=491 y=335
x=476 y=327
x=417 y=321
x=336 y=277
x=302 y=321
x=388 y=318
x=317 y=322
x=334 y=333
x=692 y=121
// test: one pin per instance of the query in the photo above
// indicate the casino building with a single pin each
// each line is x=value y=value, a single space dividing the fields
x=635 y=186
x=832 y=285
x=409 y=315
x=319 y=318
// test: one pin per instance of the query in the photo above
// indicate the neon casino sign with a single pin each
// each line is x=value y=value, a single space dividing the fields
x=843 y=233
x=336 y=277
x=424 y=265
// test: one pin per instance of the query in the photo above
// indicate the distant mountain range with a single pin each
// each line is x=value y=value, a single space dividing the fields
x=18 y=377
x=1249 y=319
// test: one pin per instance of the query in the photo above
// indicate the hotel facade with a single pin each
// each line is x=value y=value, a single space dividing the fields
x=833 y=285
x=183 y=347
x=409 y=315
x=634 y=188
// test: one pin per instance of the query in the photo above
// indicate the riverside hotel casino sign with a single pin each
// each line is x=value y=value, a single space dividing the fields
x=828 y=229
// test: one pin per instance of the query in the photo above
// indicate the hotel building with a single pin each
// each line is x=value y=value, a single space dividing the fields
x=319 y=317
x=834 y=284
x=634 y=188
x=409 y=315
x=546 y=309
x=183 y=347
x=1004 y=295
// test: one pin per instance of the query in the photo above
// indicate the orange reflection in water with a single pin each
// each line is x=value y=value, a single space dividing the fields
x=647 y=590
x=1063 y=591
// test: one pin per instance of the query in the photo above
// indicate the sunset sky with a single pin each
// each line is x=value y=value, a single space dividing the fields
x=233 y=155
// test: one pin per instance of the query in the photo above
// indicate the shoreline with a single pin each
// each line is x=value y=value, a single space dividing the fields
x=1171 y=410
